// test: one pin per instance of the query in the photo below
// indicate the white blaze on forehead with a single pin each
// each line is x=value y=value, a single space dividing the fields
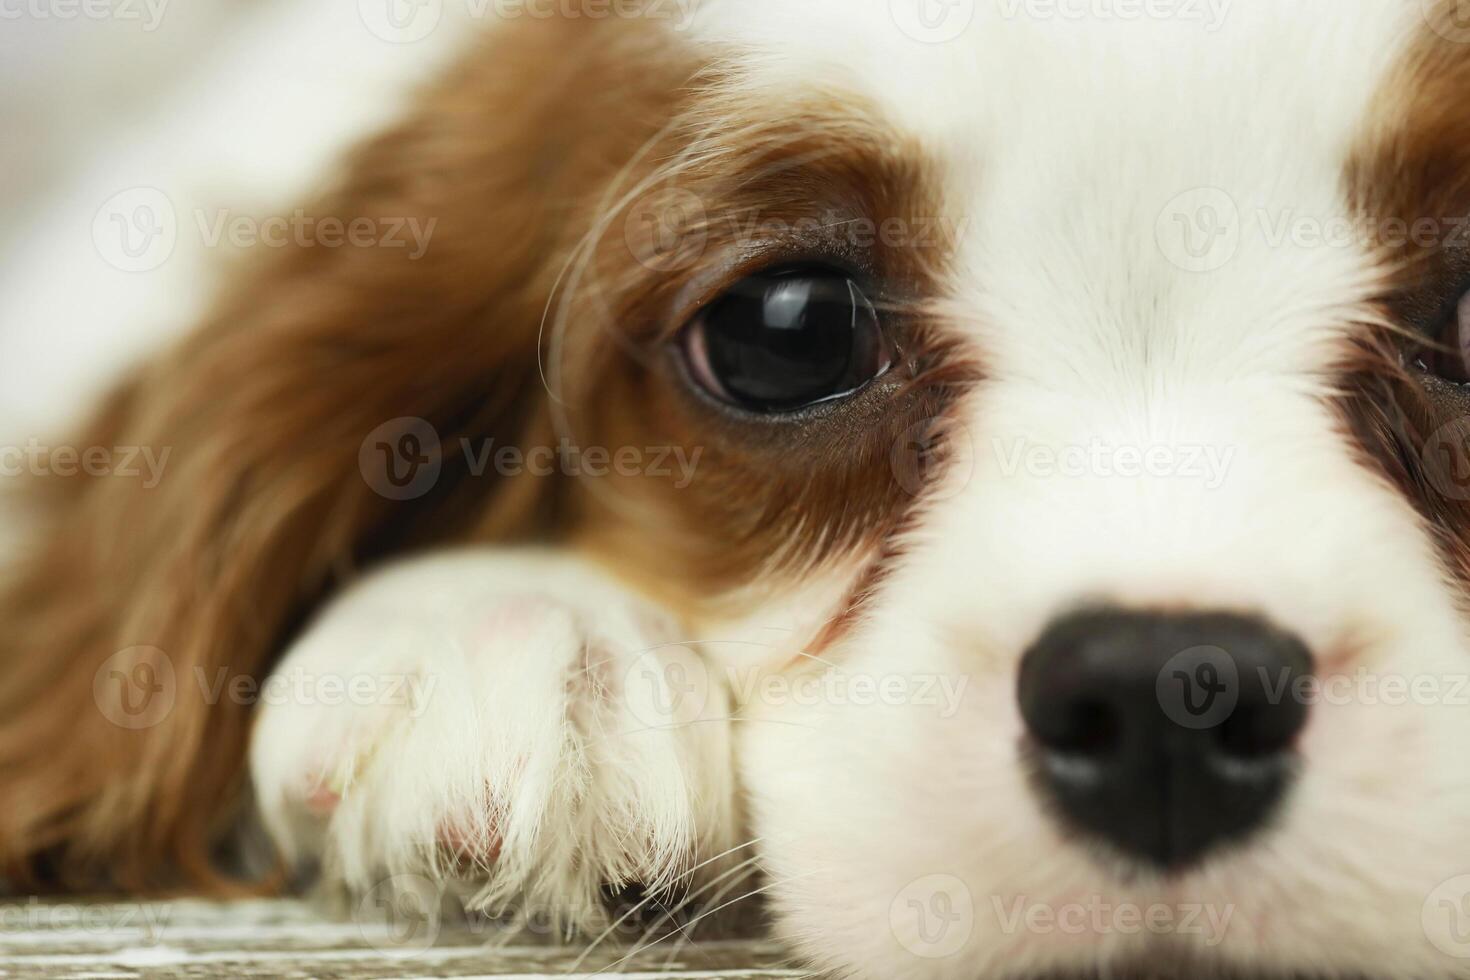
x=946 y=68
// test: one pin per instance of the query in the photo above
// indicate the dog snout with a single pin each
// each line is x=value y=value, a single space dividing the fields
x=1165 y=735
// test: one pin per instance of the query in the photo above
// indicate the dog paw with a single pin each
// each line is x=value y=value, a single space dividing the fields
x=514 y=721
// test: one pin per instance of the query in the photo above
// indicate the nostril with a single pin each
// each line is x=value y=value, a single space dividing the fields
x=1247 y=734
x=1089 y=727
x=1257 y=731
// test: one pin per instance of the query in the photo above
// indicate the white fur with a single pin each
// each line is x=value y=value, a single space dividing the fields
x=1063 y=144
x=543 y=745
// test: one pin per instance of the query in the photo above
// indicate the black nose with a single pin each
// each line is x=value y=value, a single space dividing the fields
x=1165 y=735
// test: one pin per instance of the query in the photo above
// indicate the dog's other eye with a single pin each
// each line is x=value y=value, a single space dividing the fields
x=1450 y=358
x=779 y=341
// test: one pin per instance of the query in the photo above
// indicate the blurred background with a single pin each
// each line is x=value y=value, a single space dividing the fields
x=66 y=81
x=79 y=93
x=134 y=127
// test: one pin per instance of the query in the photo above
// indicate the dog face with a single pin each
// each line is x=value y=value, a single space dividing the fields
x=1107 y=420
x=1071 y=405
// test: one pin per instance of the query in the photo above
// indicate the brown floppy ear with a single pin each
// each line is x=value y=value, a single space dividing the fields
x=120 y=748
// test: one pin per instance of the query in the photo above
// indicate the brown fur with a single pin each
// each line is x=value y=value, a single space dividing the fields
x=263 y=510
x=772 y=498
x=262 y=506
x=1411 y=168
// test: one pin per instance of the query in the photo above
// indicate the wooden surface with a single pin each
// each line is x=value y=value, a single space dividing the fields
x=114 y=941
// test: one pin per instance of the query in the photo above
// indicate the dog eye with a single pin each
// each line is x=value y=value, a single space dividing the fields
x=783 y=340
x=1450 y=357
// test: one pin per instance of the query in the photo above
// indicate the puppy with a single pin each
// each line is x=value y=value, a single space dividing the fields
x=993 y=468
